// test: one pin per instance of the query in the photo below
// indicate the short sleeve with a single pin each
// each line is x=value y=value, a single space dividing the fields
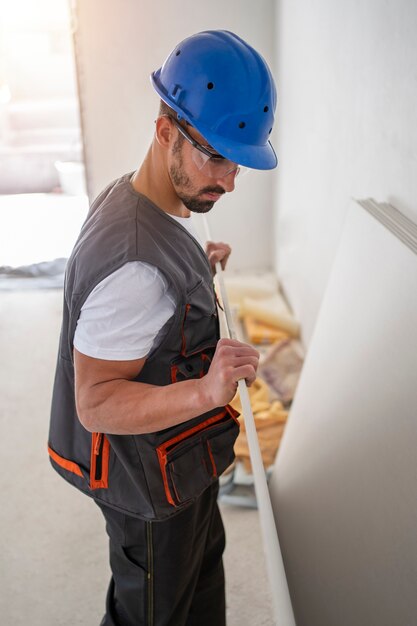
x=125 y=313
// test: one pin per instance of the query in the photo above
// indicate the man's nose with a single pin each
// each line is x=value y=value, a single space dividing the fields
x=228 y=181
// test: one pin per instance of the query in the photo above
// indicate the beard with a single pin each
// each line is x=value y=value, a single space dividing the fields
x=194 y=204
x=183 y=186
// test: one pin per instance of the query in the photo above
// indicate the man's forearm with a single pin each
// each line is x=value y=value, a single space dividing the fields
x=123 y=407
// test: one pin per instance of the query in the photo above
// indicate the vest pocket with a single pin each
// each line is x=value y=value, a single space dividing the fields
x=192 y=460
x=193 y=366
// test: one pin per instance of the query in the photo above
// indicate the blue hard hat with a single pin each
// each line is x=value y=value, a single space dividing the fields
x=224 y=88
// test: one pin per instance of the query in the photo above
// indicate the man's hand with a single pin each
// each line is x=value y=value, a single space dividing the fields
x=232 y=361
x=217 y=252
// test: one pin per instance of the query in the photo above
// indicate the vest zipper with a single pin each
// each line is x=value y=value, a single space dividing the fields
x=98 y=449
x=99 y=462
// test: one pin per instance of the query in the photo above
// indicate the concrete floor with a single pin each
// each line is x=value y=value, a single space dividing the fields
x=53 y=565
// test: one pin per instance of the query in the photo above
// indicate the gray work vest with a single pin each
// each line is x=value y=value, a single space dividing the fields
x=151 y=476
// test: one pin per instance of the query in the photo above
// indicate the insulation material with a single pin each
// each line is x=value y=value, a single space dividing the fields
x=270 y=419
x=281 y=368
x=260 y=333
x=274 y=311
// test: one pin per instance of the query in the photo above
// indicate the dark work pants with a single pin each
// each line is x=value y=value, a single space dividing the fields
x=167 y=573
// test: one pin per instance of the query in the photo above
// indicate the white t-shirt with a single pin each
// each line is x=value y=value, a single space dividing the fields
x=124 y=316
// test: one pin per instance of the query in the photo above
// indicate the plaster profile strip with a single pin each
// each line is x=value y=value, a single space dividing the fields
x=400 y=225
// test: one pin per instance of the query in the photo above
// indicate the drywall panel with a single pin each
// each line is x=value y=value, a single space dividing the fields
x=118 y=45
x=344 y=486
x=347 y=78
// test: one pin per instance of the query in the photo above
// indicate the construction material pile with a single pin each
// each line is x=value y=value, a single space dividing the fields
x=270 y=419
x=270 y=325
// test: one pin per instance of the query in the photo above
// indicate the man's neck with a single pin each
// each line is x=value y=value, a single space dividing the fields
x=153 y=181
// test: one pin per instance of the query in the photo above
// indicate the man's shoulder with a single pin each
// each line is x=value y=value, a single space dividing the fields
x=118 y=192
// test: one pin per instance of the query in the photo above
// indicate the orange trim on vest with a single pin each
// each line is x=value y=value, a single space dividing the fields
x=212 y=459
x=174 y=372
x=100 y=447
x=233 y=413
x=162 y=458
x=70 y=466
x=204 y=357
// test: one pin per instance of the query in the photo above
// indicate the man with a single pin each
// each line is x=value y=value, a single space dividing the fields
x=140 y=417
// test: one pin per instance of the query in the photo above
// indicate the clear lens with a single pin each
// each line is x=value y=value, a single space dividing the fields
x=243 y=170
x=214 y=167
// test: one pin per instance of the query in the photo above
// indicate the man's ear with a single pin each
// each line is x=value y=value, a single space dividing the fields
x=164 y=131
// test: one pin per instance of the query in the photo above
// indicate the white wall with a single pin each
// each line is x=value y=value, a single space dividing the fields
x=347 y=122
x=118 y=44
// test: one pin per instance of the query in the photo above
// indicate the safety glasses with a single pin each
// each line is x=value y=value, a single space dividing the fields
x=211 y=164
